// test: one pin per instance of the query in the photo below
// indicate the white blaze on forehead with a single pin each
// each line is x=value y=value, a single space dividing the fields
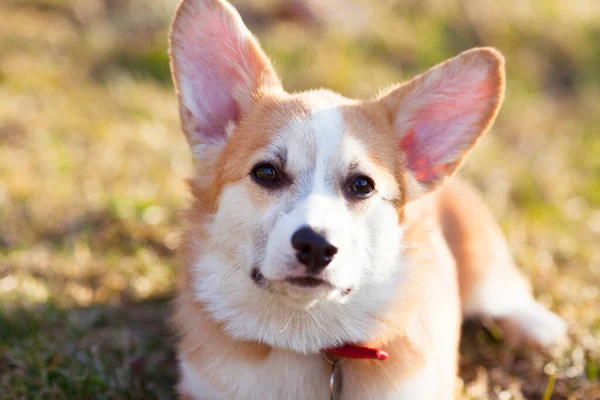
x=328 y=126
x=323 y=146
x=316 y=144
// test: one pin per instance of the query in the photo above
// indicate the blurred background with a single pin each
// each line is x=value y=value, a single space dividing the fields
x=93 y=169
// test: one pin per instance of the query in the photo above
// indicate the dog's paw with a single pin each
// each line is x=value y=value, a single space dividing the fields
x=533 y=323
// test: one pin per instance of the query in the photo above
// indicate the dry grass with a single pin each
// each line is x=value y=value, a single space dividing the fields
x=92 y=168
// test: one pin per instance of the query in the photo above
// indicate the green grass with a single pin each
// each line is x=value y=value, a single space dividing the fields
x=100 y=352
x=93 y=168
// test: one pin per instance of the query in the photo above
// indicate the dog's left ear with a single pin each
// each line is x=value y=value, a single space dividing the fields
x=439 y=115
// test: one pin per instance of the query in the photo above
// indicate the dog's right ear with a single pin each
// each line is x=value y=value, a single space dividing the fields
x=218 y=68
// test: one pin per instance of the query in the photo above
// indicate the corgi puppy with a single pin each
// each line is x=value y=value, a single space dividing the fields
x=325 y=230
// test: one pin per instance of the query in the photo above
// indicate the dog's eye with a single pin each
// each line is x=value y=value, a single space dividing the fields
x=265 y=173
x=362 y=186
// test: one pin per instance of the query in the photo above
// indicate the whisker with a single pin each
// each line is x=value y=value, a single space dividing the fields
x=229 y=273
x=424 y=328
x=288 y=323
x=319 y=324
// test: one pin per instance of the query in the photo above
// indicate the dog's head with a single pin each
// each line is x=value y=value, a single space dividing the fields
x=304 y=193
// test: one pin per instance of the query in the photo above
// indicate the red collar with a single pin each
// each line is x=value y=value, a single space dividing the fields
x=358 y=352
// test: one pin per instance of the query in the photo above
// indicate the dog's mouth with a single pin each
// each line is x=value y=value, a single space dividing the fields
x=302 y=281
x=299 y=281
x=306 y=281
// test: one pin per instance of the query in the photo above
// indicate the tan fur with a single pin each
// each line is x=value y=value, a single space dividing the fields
x=266 y=118
x=470 y=231
x=373 y=128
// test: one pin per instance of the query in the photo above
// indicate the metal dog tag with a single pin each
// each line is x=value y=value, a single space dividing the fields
x=332 y=380
x=335 y=379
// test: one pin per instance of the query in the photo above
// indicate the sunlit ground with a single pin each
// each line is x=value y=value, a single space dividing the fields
x=92 y=170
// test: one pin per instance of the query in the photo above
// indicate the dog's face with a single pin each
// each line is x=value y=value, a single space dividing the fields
x=303 y=194
x=312 y=204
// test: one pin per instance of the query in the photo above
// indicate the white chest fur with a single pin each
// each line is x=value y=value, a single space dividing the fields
x=283 y=375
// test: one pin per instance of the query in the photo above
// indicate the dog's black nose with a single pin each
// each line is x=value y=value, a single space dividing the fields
x=314 y=250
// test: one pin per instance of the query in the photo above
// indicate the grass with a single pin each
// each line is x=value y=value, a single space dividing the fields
x=98 y=352
x=92 y=170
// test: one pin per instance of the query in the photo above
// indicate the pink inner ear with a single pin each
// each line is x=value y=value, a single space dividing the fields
x=211 y=122
x=445 y=127
x=217 y=67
